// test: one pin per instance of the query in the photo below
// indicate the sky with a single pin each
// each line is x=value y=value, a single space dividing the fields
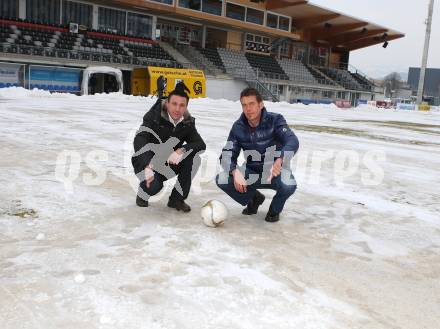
x=407 y=16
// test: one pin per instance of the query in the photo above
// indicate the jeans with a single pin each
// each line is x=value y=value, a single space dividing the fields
x=284 y=185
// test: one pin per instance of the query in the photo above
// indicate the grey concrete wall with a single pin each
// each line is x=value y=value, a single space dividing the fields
x=224 y=88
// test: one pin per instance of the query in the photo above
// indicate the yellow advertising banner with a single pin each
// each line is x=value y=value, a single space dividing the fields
x=144 y=81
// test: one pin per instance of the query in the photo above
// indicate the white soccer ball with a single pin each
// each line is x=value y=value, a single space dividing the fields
x=214 y=213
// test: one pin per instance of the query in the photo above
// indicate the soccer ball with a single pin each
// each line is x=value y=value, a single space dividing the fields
x=214 y=213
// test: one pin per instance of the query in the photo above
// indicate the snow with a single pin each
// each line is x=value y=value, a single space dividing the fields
x=358 y=246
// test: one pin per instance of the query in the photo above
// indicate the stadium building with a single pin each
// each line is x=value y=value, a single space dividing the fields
x=290 y=50
x=432 y=84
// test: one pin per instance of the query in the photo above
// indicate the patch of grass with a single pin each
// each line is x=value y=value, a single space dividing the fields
x=24 y=213
x=15 y=209
x=414 y=126
x=358 y=133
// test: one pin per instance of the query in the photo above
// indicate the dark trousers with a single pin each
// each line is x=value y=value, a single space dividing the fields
x=185 y=171
x=284 y=185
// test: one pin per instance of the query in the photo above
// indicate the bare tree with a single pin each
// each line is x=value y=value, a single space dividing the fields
x=392 y=82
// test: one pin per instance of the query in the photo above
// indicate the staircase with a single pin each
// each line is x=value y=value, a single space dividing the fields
x=180 y=58
x=263 y=90
x=237 y=65
x=199 y=60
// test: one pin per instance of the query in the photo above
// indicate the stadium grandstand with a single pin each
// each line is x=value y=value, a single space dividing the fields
x=290 y=50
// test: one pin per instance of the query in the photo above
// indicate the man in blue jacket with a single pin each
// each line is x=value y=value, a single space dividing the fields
x=268 y=145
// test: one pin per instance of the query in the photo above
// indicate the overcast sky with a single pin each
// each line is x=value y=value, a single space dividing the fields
x=407 y=16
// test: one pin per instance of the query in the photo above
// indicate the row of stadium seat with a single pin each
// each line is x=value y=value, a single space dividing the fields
x=268 y=65
x=346 y=79
x=246 y=65
x=7 y=85
x=56 y=87
x=39 y=40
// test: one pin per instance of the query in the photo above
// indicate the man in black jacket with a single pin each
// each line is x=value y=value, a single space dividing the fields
x=167 y=144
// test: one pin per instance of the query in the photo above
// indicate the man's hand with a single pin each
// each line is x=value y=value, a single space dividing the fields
x=275 y=171
x=149 y=175
x=239 y=181
x=176 y=157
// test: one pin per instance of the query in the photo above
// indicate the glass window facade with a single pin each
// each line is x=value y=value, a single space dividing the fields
x=167 y=2
x=139 y=25
x=212 y=7
x=111 y=20
x=284 y=23
x=9 y=8
x=255 y=16
x=43 y=11
x=235 y=11
x=272 y=20
x=75 y=12
x=191 y=4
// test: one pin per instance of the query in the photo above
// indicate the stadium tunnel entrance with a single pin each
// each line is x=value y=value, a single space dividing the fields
x=102 y=83
x=102 y=79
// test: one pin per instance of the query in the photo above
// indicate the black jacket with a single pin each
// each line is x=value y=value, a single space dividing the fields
x=157 y=138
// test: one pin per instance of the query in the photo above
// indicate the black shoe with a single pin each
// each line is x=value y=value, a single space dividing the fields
x=272 y=217
x=141 y=202
x=252 y=207
x=179 y=205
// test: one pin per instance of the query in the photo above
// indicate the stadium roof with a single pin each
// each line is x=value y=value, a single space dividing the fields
x=311 y=23
x=328 y=27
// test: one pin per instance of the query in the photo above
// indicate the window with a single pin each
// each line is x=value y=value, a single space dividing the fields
x=235 y=11
x=74 y=12
x=257 y=43
x=272 y=21
x=167 y=2
x=284 y=48
x=139 y=25
x=111 y=20
x=196 y=36
x=212 y=7
x=9 y=8
x=43 y=11
x=191 y=4
x=284 y=23
x=299 y=51
x=255 y=16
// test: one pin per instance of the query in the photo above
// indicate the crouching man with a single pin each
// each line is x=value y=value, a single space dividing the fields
x=268 y=144
x=167 y=144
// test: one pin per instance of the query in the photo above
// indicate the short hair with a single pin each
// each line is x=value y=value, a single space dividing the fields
x=180 y=93
x=179 y=90
x=251 y=92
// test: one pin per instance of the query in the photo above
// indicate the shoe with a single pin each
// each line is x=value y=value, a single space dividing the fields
x=141 y=202
x=256 y=201
x=179 y=205
x=272 y=217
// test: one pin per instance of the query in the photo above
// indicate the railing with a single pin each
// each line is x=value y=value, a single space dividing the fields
x=253 y=79
x=82 y=55
x=189 y=51
x=339 y=74
x=322 y=80
x=351 y=68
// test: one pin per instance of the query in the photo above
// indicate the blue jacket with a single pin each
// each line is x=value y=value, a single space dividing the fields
x=273 y=133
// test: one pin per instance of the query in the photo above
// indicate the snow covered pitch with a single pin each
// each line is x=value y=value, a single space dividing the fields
x=358 y=246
